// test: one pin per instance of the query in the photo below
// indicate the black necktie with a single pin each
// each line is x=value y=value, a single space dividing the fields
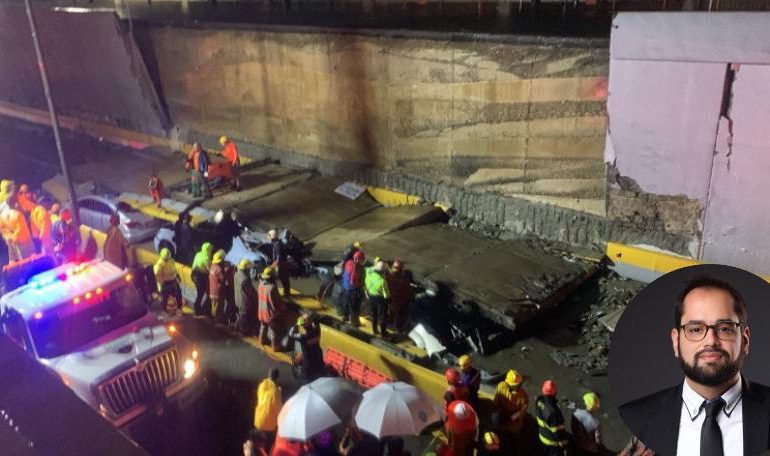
x=710 y=434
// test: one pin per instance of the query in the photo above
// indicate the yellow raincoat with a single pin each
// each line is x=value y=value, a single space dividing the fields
x=269 y=404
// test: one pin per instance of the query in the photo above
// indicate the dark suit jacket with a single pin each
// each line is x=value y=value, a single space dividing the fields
x=654 y=419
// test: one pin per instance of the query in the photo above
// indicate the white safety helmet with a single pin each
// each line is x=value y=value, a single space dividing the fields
x=461 y=411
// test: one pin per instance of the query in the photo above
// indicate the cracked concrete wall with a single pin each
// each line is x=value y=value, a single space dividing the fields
x=94 y=69
x=517 y=119
x=687 y=137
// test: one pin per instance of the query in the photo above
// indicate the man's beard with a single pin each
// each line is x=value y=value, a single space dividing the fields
x=722 y=374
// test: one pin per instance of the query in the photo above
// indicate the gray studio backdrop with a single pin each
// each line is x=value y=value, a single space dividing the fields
x=641 y=360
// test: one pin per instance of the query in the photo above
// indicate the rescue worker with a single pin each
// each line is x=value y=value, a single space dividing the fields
x=456 y=389
x=230 y=152
x=269 y=403
x=7 y=190
x=471 y=378
x=279 y=261
x=54 y=211
x=115 y=245
x=550 y=421
x=16 y=233
x=270 y=307
x=351 y=250
x=218 y=286
x=199 y=273
x=246 y=299
x=183 y=237
x=307 y=333
x=377 y=292
x=40 y=223
x=511 y=402
x=156 y=188
x=352 y=288
x=401 y=296
x=586 y=428
x=167 y=279
x=198 y=162
x=65 y=237
x=461 y=428
x=25 y=199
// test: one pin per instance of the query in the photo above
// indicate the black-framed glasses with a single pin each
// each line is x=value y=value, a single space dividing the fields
x=724 y=330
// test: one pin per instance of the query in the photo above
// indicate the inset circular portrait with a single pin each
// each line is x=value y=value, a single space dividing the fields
x=689 y=363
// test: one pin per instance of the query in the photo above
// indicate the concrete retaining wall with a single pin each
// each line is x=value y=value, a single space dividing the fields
x=523 y=118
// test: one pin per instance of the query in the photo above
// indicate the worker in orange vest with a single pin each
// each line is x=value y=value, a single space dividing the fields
x=511 y=402
x=156 y=189
x=269 y=308
x=456 y=389
x=40 y=222
x=230 y=152
x=16 y=234
x=25 y=199
x=461 y=428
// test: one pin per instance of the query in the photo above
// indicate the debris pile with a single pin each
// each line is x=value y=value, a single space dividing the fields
x=615 y=293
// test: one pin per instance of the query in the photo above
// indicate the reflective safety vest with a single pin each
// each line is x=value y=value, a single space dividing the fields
x=550 y=422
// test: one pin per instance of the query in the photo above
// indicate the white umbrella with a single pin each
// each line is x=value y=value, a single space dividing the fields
x=396 y=409
x=316 y=407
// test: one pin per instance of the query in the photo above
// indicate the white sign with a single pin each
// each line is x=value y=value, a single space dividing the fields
x=350 y=190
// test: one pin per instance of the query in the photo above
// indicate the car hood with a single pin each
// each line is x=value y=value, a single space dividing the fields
x=129 y=344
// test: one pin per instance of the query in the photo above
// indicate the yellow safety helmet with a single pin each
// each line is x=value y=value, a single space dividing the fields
x=300 y=321
x=223 y=140
x=165 y=253
x=513 y=378
x=244 y=264
x=465 y=361
x=491 y=441
x=358 y=244
x=267 y=273
x=591 y=401
x=219 y=256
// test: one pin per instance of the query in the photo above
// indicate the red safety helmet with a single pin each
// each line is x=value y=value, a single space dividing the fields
x=359 y=256
x=66 y=215
x=452 y=376
x=549 y=388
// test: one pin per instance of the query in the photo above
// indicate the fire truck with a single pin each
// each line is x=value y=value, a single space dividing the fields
x=86 y=323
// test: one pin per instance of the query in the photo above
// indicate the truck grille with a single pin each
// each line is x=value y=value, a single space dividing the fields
x=141 y=384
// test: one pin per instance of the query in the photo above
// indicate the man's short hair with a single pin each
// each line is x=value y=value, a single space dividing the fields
x=739 y=305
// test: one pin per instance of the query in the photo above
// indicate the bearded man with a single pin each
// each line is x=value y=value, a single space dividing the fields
x=715 y=411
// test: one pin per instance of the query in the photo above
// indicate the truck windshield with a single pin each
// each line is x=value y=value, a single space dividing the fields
x=56 y=335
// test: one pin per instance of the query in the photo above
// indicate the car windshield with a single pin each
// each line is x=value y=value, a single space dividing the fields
x=56 y=335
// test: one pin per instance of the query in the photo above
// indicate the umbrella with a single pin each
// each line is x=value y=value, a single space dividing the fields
x=396 y=409
x=316 y=407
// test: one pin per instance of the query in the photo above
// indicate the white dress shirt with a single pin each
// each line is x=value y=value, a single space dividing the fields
x=730 y=421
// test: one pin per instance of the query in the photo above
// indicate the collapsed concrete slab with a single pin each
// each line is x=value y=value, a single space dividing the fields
x=328 y=245
x=306 y=208
x=508 y=282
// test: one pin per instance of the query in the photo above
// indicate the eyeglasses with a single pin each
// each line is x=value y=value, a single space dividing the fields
x=724 y=330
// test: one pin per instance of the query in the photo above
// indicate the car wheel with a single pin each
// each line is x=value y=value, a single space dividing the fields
x=167 y=245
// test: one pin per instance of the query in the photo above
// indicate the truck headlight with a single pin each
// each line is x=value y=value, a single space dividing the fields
x=190 y=367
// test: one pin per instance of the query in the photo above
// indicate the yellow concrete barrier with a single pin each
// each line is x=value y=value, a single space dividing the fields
x=647 y=259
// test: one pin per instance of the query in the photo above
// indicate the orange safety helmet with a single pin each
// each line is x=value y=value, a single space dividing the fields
x=453 y=376
x=549 y=388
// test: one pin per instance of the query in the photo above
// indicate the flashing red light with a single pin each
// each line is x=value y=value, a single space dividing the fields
x=88 y=295
x=38 y=315
x=129 y=277
x=171 y=329
x=76 y=300
x=99 y=291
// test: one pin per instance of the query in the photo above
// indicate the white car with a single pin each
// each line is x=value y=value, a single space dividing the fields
x=95 y=212
x=87 y=324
